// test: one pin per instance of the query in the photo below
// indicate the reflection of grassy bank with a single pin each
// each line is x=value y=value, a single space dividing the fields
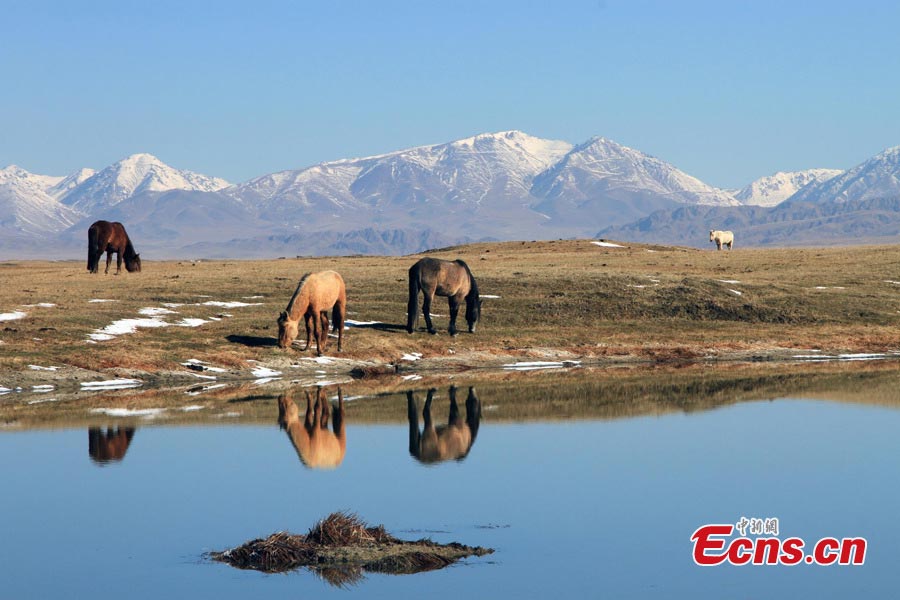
x=505 y=396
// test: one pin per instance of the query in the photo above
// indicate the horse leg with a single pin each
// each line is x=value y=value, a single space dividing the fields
x=119 y=261
x=412 y=413
x=718 y=244
x=337 y=316
x=454 y=408
x=108 y=261
x=307 y=320
x=317 y=327
x=325 y=410
x=309 y=418
x=322 y=340
x=426 y=413
x=426 y=310
x=454 y=311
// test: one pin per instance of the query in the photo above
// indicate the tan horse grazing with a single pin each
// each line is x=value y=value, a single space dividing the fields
x=444 y=442
x=104 y=236
x=316 y=294
x=721 y=238
x=317 y=447
x=110 y=445
x=452 y=279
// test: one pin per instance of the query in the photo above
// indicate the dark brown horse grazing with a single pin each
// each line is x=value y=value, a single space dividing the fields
x=444 y=442
x=316 y=294
x=443 y=278
x=104 y=236
x=317 y=447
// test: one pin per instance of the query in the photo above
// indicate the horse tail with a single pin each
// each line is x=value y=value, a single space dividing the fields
x=93 y=248
x=412 y=308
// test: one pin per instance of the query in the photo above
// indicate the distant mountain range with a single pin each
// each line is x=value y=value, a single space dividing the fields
x=495 y=186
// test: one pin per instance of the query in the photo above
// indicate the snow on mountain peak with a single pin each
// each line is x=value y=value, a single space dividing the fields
x=775 y=189
x=603 y=164
x=132 y=175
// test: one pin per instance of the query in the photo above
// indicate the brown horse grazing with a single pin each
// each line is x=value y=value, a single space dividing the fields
x=104 y=236
x=445 y=442
x=443 y=278
x=317 y=447
x=316 y=294
x=110 y=445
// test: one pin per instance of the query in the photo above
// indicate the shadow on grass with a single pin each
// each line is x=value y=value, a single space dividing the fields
x=379 y=327
x=252 y=340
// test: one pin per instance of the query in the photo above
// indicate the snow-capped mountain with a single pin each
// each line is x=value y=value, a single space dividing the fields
x=774 y=189
x=26 y=207
x=133 y=175
x=878 y=177
x=607 y=183
x=485 y=170
x=67 y=184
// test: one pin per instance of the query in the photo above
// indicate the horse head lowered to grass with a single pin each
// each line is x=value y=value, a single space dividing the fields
x=452 y=279
x=104 y=236
x=316 y=294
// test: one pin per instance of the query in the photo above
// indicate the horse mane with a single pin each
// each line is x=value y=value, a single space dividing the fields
x=129 y=249
x=472 y=296
x=290 y=306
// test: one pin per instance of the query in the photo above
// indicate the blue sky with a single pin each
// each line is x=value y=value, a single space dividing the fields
x=727 y=91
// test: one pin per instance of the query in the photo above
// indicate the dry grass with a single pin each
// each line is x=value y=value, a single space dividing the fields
x=644 y=301
x=340 y=547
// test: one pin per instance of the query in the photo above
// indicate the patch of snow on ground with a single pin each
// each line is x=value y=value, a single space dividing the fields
x=731 y=281
x=893 y=282
x=129 y=412
x=124 y=326
x=319 y=360
x=111 y=384
x=488 y=296
x=411 y=356
x=12 y=316
x=192 y=408
x=172 y=304
x=235 y=304
x=607 y=245
x=40 y=368
x=190 y=322
x=101 y=300
x=348 y=323
x=42 y=389
x=40 y=305
x=265 y=372
x=199 y=363
x=412 y=377
x=153 y=311
x=253 y=297
x=736 y=292
x=834 y=287
x=4 y=390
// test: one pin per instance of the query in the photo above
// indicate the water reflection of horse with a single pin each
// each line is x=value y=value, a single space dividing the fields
x=316 y=294
x=452 y=279
x=317 y=447
x=444 y=442
x=110 y=445
x=104 y=236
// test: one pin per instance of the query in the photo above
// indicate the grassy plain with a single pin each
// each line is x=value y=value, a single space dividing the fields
x=558 y=299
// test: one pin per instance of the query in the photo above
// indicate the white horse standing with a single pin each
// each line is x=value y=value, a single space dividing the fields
x=721 y=238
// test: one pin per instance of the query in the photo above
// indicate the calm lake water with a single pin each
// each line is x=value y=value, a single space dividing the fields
x=575 y=506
